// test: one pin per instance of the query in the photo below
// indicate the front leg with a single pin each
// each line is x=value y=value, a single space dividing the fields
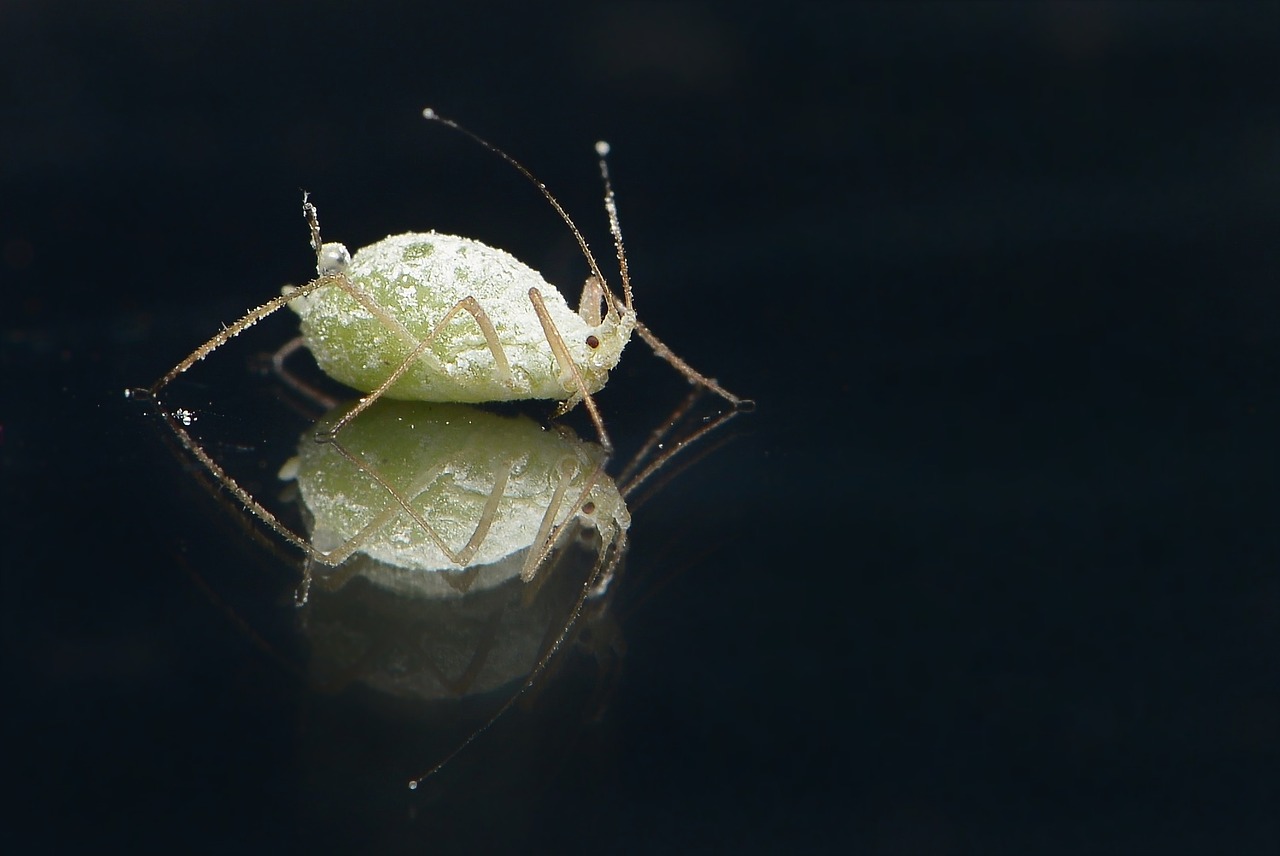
x=568 y=366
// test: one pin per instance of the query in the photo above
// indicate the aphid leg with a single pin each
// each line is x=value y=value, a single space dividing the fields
x=558 y=347
x=662 y=436
x=461 y=685
x=634 y=480
x=610 y=555
x=691 y=374
x=615 y=229
x=226 y=334
x=551 y=532
x=333 y=578
x=245 y=497
x=419 y=350
x=386 y=319
x=490 y=337
x=284 y=352
x=297 y=384
x=404 y=500
x=253 y=316
x=544 y=540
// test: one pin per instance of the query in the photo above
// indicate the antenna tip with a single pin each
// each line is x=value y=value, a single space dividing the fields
x=428 y=113
x=602 y=148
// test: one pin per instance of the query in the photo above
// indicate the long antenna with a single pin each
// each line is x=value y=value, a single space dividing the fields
x=611 y=299
x=611 y=207
x=433 y=116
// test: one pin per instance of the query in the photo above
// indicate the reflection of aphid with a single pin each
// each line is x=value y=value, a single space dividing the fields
x=466 y=532
x=431 y=317
x=444 y=487
x=445 y=502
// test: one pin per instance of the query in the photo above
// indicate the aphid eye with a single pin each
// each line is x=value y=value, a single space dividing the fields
x=588 y=507
x=593 y=342
x=333 y=258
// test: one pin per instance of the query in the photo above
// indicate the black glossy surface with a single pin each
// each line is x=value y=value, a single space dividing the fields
x=991 y=569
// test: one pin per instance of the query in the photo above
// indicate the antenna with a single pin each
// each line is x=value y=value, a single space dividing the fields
x=433 y=116
x=611 y=207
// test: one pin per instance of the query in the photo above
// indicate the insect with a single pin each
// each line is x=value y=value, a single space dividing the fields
x=433 y=317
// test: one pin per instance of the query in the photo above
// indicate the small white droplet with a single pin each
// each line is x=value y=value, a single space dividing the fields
x=333 y=258
x=427 y=113
x=602 y=148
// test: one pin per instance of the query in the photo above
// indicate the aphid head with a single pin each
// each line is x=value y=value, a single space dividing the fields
x=602 y=509
x=603 y=345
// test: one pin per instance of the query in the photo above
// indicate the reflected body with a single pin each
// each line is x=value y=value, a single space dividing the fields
x=451 y=551
x=442 y=635
x=435 y=487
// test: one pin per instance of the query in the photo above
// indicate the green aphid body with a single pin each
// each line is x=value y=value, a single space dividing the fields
x=415 y=279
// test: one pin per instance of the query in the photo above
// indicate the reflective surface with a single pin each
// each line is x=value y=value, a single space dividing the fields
x=991 y=569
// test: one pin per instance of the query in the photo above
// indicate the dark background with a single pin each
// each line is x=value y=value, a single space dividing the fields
x=991 y=569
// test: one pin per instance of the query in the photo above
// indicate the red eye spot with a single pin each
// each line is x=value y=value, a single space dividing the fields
x=588 y=507
x=593 y=342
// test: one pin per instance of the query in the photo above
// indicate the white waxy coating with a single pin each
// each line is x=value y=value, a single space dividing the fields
x=416 y=278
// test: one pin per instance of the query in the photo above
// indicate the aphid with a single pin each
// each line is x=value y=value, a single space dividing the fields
x=431 y=317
